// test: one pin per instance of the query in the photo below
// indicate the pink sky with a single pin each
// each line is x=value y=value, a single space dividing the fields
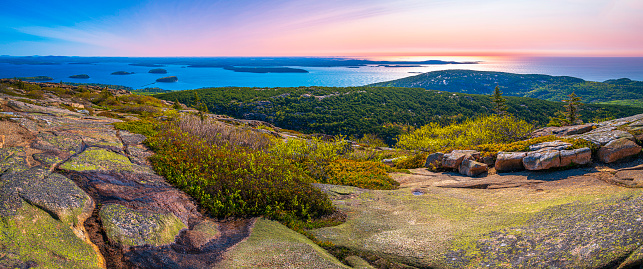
x=333 y=28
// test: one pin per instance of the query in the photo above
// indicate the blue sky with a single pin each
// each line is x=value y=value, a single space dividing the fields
x=322 y=28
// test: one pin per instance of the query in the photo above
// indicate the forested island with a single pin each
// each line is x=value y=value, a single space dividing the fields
x=158 y=71
x=120 y=73
x=79 y=76
x=168 y=79
x=36 y=78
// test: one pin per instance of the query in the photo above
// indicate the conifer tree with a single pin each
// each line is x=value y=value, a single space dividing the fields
x=177 y=105
x=499 y=106
x=201 y=107
x=571 y=109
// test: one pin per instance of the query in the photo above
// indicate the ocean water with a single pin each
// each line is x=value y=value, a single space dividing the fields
x=592 y=69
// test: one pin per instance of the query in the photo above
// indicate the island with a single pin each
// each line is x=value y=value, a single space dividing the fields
x=168 y=79
x=147 y=65
x=80 y=76
x=122 y=73
x=158 y=71
x=265 y=69
x=36 y=78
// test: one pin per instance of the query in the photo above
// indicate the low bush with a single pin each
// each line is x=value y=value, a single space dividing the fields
x=416 y=161
x=218 y=133
x=231 y=179
x=364 y=174
x=36 y=94
x=495 y=129
x=314 y=155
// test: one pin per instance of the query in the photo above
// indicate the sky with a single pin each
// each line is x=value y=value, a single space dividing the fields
x=322 y=28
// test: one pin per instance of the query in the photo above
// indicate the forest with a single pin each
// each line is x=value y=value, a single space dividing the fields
x=384 y=111
x=553 y=88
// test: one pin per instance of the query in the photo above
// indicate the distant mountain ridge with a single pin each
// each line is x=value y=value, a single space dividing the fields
x=546 y=87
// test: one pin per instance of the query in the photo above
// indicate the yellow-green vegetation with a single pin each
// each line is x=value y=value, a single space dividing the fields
x=32 y=237
x=485 y=130
x=100 y=159
x=410 y=162
x=629 y=102
x=363 y=174
x=523 y=145
x=230 y=172
x=312 y=155
x=272 y=245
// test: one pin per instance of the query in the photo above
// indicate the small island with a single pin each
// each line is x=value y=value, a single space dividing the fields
x=122 y=73
x=265 y=69
x=158 y=71
x=80 y=76
x=36 y=78
x=168 y=79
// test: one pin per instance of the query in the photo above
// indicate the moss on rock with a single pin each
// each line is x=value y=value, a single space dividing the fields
x=96 y=159
x=32 y=238
x=456 y=228
x=273 y=245
x=136 y=228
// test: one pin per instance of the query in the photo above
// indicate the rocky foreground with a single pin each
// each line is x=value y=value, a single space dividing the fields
x=77 y=193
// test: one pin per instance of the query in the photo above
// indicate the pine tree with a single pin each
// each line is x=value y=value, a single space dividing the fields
x=571 y=109
x=499 y=106
x=177 y=105
x=570 y=116
x=201 y=107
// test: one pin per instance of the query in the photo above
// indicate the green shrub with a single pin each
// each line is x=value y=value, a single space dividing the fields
x=312 y=155
x=372 y=140
x=485 y=130
x=415 y=161
x=35 y=94
x=365 y=174
x=230 y=180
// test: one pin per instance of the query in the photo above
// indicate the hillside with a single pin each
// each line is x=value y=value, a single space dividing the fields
x=384 y=111
x=552 y=88
x=99 y=178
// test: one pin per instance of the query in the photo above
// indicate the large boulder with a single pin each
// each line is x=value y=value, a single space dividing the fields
x=434 y=160
x=618 y=149
x=509 y=161
x=564 y=130
x=541 y=160
x=636 y=129
x=454 y=159
x=576 y=156
x=604 y=135
x=557 y=145
x=471 y=168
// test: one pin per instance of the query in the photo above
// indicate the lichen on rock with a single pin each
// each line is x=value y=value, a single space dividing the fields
x=131 y=227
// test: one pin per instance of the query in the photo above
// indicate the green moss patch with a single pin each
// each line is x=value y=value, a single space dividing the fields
x=273 y=245
x=33 y=238
x=96 y=159
x=135 y=228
